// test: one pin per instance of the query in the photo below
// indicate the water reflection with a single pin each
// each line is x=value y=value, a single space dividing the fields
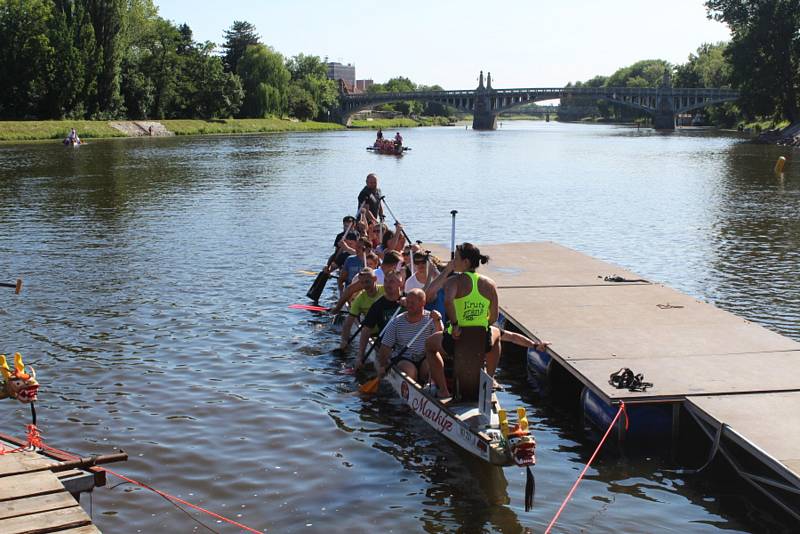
x=158 y=272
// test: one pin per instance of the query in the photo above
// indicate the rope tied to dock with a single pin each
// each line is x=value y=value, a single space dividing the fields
x=621 y=411
x=35 y=441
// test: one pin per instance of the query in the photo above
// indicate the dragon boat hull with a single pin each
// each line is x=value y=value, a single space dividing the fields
x=473 y=426
x=391 y=151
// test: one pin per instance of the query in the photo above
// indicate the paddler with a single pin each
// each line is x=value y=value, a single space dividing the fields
x=73 y=138
x=362 y=303
x=470 y=300
x=353 y=264
x=416 y=324
x=380 y=312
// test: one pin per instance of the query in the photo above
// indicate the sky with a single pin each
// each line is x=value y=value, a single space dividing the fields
x=447 y=42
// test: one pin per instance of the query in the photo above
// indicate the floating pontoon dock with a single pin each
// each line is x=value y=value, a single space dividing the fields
x=34 y=498
x=732 y=375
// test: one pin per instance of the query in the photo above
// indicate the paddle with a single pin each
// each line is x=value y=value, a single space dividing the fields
x=339 y=351
x=308 y=307
x=318 y=286
x=369 y=351
x=383 y=199
x=371 y=386
x=453 y=236
x=17 y=287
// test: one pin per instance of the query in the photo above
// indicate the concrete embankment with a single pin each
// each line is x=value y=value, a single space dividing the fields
x=789 y=136
x=140 y=128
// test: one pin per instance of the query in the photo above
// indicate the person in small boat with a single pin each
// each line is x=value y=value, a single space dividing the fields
x=398 y=140
x=400 y=332
x=380 y=135
x=380 y=312
x=470 y=300
x=72 y=138
x=371 y=197
x=362 y=303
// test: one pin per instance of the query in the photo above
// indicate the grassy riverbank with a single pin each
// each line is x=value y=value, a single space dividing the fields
x=35 y=130
x=41 y=130
x=401 y=122
x=240 y=126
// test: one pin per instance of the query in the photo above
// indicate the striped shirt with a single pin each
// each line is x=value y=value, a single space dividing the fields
x=400 y=332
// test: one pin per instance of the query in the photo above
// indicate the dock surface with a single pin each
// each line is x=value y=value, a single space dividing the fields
x=33 y=499
x=724 y=369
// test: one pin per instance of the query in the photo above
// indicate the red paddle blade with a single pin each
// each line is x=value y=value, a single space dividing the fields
x=308 y=307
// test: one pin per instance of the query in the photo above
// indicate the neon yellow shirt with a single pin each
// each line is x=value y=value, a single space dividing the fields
x=472 y=309
x=362 y=303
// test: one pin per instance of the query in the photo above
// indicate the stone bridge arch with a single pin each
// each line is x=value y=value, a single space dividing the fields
x=485 y=103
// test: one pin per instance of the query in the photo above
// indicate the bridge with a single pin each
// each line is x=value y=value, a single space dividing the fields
x=663 y=103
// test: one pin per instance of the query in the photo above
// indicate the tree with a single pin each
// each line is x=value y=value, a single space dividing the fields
x=645 y=73
x=241 y=35
x=310 y=73
x=764 y=53
x=265 y=79
x=26 y=56
x=208 y=91
x=301 y=103
x=107 y=22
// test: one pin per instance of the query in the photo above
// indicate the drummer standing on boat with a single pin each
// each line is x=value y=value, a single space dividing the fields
x=370 y=196
x=470 y=300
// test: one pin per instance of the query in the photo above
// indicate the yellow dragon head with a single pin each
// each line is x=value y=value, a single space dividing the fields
x=18 y=384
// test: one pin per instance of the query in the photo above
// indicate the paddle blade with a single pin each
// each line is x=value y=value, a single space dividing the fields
x=371 y=386
x=18 y=288
x=308 y=307
x=316 y=289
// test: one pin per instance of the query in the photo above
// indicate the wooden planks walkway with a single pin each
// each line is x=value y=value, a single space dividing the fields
x=33 y=499
x=722 y=368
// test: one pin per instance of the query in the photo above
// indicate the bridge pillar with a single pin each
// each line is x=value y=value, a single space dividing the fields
x=483 y=118
x=664 y=116
x=664 y=121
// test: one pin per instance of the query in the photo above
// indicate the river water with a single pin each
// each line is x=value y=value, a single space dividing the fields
x=157 y=278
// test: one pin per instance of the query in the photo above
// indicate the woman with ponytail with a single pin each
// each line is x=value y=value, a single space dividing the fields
x=470 y=299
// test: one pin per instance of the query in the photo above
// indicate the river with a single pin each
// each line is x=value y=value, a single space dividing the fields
x=158 y=273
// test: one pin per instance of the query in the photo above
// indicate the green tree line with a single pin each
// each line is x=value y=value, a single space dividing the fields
x=707 y=67
x=105 y=59
x=762 y=61
x=401 y=84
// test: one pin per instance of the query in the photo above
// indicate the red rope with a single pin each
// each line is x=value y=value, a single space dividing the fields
x=35 y=440
x=589 y=463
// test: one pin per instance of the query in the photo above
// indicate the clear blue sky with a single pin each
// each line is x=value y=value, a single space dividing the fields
x=523 y=43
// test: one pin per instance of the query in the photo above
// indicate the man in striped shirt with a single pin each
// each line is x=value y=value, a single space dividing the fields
x=409 y=329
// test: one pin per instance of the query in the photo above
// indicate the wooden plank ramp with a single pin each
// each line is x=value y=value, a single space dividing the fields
x=600 y=317
x=33 y=499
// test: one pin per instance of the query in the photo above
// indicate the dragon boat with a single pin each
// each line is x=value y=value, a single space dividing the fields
x=473 y=419
x=385 y=146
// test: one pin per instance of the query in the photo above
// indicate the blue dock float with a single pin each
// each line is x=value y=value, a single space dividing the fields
x=720 y=368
